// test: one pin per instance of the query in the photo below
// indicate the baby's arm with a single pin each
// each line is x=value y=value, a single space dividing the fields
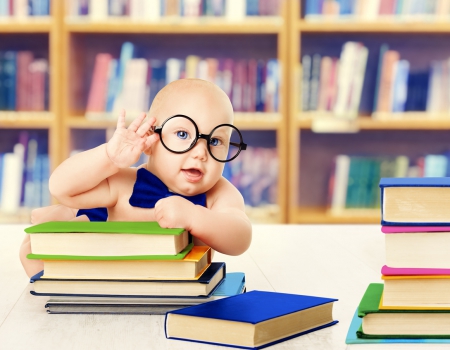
x=82 y=180
x=223 y=226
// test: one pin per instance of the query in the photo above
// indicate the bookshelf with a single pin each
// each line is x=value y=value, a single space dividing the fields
x=254 y=37
x=314 y=143
x=41 y=35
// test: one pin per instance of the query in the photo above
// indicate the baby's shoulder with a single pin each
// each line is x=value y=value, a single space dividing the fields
x=124 y=177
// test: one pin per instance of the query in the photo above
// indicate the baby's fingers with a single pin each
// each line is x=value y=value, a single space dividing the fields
x=135 y=124
x=143 y=129
x=121 y=120
x=151 y=140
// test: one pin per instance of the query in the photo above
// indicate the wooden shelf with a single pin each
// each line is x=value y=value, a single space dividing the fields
x=350 y=26
x=244 y=121
x=39 y=120
x=307 y=215
x=28 y=25
x=400 y=121
x=178 y=25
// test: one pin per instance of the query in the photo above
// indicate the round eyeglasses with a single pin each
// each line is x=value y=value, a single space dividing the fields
x=180 y=134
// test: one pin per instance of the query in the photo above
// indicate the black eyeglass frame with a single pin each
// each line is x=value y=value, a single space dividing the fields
x=242 y=146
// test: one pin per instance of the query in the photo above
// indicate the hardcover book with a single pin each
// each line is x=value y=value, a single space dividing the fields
x=205 y=285
x=252 y=320
x=407 y=323
x=417 y=291
x=417 y=246
x=106 y=239
x=233 y=284
x=191 y=266
x=415 y=201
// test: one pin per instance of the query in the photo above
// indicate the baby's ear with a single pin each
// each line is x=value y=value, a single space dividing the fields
x=148 y=151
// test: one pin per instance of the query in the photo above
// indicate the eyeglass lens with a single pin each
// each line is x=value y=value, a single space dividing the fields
x=179 y=134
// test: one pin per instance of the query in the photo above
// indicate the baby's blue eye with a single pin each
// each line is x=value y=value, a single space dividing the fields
x=214 y=142
x=182 y=135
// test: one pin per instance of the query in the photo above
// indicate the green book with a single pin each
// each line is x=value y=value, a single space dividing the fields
x=111 y=240
x=405 y=324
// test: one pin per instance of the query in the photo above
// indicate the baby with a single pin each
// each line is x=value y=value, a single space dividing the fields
x=188 y=137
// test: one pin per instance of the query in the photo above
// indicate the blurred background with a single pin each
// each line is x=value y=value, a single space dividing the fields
x=330 y=95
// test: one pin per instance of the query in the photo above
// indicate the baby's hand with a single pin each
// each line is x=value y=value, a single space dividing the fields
x=127 y=144
x=174 y=212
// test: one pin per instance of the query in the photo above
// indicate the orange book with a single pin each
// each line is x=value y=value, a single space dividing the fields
x=23 y=93
x=390 y=59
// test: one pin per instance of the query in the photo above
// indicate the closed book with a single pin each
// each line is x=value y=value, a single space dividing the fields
x=252 y=320
x=416 y=271
x=354 y=342
x=417 y=291
x=100 y=240
x=377 y=323
x=417 y=246
x=99 y=84
x=232 y=284
x=415 y=201
x=190 y=267
x=205 y=285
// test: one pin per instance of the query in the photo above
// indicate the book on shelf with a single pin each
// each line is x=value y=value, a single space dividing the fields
x=24 y=84
x=103 y=240
x=415 y=201
x=132 y=82
x=401 y=323
x=232 y=284
x=21 y=9
x=191 y=267
x=152 y=10
x=205 y=285
x=377 y=10
x=354 y=342
x=417 y=246
x=255 y=319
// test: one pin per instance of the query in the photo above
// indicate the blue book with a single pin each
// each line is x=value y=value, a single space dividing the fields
x=383 y=49
x=313 y=7
x=112 y=85
x=10 y=79
x=252 y=320
x=409 y=201
x=126 y=54
x=90 y=287
x=252 y=7
x=4 y=8
x=400 y=86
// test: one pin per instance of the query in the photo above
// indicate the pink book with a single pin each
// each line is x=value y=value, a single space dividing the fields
x=99 y=84
x=411 y=229
x=406 y=271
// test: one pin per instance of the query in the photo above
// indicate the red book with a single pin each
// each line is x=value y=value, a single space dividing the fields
x=390 y=58
x=99 y=84
x=23 y=94
x=38 y=73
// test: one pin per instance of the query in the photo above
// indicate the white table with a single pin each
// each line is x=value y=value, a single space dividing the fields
x=336 y=261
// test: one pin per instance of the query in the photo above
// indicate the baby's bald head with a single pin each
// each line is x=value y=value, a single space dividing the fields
x=190 y=96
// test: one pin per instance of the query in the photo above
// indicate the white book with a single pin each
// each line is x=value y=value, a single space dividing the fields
x=98 y=10
x=348 y=59
x=435 y=83
x=191 y=8
x=72 y=8
x=371 y=10
x=358 y=80
x=21 y=8
x=152 y=10
x=134 y=85
x=173 y=70
x=235 y=10
x=136 y=9
x=202 y=70
x=339 y=195
x=12 y=180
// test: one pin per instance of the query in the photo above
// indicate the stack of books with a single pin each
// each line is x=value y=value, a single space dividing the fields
x=413 y=304
x=124 y=267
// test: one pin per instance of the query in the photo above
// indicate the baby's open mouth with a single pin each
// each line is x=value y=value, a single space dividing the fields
x=192 y=174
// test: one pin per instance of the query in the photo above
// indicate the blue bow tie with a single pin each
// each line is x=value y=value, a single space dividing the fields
x=147 y=190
